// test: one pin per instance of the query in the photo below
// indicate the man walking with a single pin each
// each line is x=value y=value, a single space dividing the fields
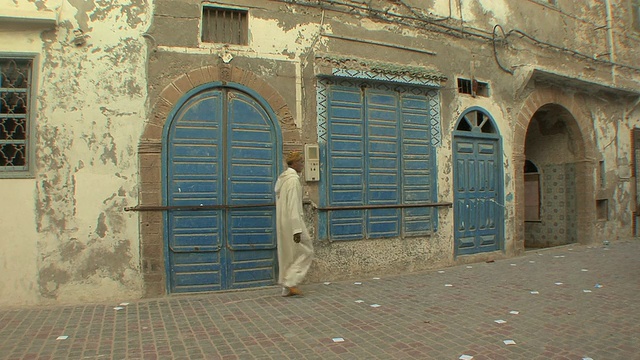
x=295 y=250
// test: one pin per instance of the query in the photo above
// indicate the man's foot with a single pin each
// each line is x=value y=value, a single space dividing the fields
x=293 y=291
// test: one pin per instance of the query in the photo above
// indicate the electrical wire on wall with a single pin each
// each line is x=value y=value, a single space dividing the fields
x=423 y=22
x=495 y=48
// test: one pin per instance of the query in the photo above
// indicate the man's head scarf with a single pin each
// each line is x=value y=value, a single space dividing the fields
x=293 y=157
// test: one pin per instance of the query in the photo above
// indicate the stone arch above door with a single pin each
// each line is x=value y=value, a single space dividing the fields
x=172 y=93
x=150 y=161
x=575 y=105
x=570 y=102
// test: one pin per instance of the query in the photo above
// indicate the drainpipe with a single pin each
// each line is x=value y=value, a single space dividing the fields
x=612 y=56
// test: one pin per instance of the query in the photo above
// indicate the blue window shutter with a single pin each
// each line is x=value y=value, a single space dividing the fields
x=379 y=152
x=382 y=185
x=417 y=164
x=345 y=153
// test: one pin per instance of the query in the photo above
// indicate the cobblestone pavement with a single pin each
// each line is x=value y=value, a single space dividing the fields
x=573 y=302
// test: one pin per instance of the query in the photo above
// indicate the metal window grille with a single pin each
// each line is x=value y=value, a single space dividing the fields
x=464 y=86
x=224 y=26
x=15 y=85
x=473 y=87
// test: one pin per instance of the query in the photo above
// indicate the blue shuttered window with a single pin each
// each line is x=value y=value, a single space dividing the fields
x=378 y=152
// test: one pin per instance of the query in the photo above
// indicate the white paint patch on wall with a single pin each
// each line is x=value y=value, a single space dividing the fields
x=269 y=38
x=492 y=12
x=18 y=243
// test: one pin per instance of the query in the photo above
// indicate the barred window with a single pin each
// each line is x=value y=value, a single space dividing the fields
x=225 y=26
x=15 y=86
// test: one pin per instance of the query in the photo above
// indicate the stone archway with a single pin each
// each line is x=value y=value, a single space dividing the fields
x=577 y=121
x=150 y=149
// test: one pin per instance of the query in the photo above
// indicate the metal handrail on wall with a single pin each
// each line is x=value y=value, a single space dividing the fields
x=250 y=206
x=196 y=208
x=384 y=206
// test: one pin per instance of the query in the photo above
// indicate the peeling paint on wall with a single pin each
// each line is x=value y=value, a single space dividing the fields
x=92 y=107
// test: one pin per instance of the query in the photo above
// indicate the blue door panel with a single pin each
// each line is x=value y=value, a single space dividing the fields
x=252 y=268
x=222 y=150
x=193 y=260
x=477 y=214
x=253 y=148
x=253 y=278
x=187 y=281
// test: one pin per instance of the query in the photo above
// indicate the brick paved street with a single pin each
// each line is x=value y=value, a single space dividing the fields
x=419 y=317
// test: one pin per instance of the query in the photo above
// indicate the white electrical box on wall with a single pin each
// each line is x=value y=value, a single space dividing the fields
x=311 y=162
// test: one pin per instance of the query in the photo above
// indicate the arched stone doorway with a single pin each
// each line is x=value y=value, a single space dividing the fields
x=152 y=205
x=554 y=155
x=553 y=147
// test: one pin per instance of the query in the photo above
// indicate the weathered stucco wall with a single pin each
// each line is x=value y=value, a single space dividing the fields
x=18 y=235
x=454 y=38
x=79 y=245
x=101 y=106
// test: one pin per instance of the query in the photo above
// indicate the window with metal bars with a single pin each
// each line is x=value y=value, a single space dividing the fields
x=473 y=87
x=15 y=89
x=225 y=26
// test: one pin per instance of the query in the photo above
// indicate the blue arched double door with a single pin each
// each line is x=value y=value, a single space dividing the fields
x=221 y=159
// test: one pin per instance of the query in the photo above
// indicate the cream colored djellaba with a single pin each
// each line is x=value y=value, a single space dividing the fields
x=294 y=259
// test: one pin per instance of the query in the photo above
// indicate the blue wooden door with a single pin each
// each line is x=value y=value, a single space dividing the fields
x=478 y=213
x=221 y=164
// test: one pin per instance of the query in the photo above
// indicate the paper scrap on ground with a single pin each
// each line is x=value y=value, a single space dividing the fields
x=448 y=285
x=558 y=256
x=514 y=312
x=531 y=261
x=598 y=286
x=376 y=278
x=585 y=290
x=338 y=340
x=359 y=301
x=440 y=271
x=512 y=264
x=558 y=283
x=584 y=270
x=327 y=283
x=357 y=283
x=62 y=337
x=374 y=305
x=509 y=342
x=118 y=308
x=587 y=359
x=465 y=357
x=124 y=304
x=499 y=321
x=535 y=293
x=469 y=267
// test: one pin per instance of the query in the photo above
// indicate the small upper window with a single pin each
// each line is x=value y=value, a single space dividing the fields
x=15 y=97
x=225 y=26
x=473 y=87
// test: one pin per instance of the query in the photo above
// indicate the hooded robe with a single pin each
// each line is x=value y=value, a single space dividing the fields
x=294 y=259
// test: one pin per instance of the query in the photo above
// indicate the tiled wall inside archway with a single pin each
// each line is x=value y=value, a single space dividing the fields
x=558 y=208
